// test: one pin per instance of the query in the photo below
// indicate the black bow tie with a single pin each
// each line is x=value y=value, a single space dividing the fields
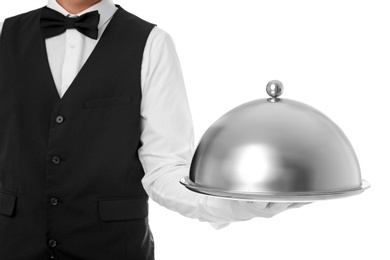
x=54 y=23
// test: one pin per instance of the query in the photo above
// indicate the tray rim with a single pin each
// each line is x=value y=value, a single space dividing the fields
x=269 y=197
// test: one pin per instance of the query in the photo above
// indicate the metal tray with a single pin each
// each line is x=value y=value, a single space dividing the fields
x=269 y=197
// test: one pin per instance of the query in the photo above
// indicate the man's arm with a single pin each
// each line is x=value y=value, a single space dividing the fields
x=167 y=130
x=167 y=142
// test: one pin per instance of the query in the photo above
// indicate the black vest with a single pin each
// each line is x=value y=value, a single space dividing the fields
x=70 y=176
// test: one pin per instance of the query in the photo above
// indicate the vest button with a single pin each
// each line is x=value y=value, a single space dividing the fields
x=54 y=201
x=59 y=119
x=52 y=243
x=56 y=159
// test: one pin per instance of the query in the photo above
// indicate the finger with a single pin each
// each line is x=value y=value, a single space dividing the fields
x=279 y=206
x=260 y=205
x=254 y=204
x=298 y=205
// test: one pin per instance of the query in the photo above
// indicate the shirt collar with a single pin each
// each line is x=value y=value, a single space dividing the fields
x=106 y=9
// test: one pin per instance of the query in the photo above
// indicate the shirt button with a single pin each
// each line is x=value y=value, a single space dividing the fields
x=54 y=201
x=59 y=119
x=56 y=159
x=52 y=243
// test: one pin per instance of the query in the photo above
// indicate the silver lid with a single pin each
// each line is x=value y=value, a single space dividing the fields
x=275 y=150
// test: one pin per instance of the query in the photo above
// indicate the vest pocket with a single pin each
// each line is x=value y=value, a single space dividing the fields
x=7 y=203
x=110 y=101
x=117 y=209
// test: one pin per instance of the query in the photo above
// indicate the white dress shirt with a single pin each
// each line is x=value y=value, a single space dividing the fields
x=167 y=132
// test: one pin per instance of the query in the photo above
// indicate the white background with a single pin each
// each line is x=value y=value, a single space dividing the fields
x=333 y=55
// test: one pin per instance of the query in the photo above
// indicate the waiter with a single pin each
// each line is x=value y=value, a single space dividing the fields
x=94 y=119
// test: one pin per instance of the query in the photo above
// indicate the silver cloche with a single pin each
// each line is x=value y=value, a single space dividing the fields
x=275 y=149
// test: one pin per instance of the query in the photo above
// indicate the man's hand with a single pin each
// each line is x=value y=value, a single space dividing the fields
x=268 y=209
x=229 y=211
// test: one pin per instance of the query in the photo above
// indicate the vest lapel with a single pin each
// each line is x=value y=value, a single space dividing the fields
x=43 y=59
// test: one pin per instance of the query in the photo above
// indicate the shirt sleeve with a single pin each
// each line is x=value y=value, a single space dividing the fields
x=168 y=140
x=1 y=27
